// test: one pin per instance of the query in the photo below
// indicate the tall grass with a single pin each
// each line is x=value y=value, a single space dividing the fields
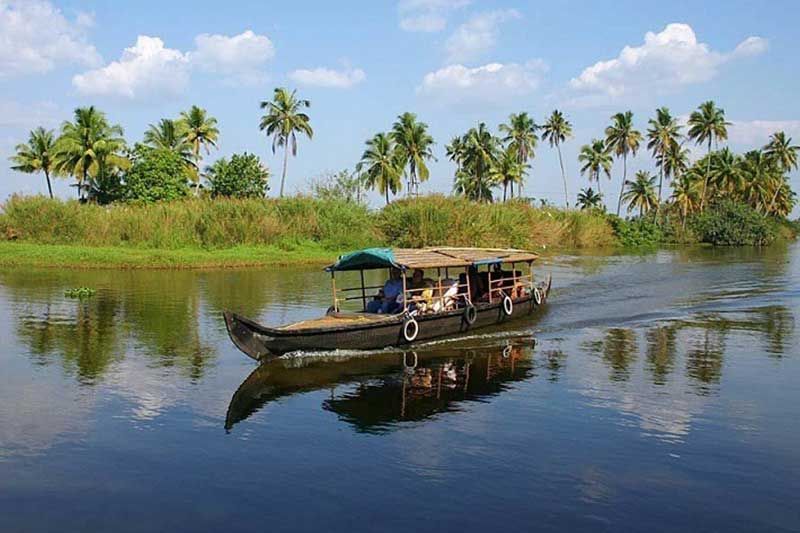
x=290 y=223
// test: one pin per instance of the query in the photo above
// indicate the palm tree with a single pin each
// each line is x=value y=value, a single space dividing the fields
x=520 y=138
x=725 y=176
x=283 y=121
x=556 y=130
x=781 y=150
x=623 y=139
x=414 y=147
x=36 y=155
x=675 y=161
x=596 y=159
x=201 y=133
x=588 y=199
x=707 y=125
x=641 y=193
x=89 y=147
x=380 y=165
x=507 y=170
x=758 y=174
x=169 y=135
x=481 y=155
x=663 y=134
x=685 y=195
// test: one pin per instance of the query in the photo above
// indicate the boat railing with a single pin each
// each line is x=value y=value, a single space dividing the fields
x=499 y=286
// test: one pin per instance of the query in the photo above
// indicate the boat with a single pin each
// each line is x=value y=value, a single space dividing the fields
x=483 y=294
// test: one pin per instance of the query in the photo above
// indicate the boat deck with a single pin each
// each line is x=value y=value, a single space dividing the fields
x=339 y=319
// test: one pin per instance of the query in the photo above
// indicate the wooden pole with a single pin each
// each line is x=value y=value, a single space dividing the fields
x=489 y=278
x=469 y=290
x=363 y=291
x=333 y=287
x=405 y=296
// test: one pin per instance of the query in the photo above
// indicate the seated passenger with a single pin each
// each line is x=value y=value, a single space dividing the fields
x=387 y=300
x=447 y=299
x=421 y=291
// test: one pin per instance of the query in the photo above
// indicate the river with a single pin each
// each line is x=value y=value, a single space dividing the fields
x=654 y=392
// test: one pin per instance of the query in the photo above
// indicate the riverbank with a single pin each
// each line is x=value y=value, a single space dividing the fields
x=222 y=233
x=22 y=255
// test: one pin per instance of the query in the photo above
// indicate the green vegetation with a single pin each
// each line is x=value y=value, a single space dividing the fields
x=79 y=292
x=157 y=174
x=242 y=177
x=135 y=205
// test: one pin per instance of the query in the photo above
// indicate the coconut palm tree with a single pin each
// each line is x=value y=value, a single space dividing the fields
x=36 y=155
x=520 y=138
x=480 y=156
x=758 y=176
x=283 y=120
x=170 y=135
x=623 y=139
x=507 y=170
x=685 y=195
x=780 y=148
x=381 y=168
x=596 y=158
x=707 y=125
x=414 y=147
x=725 y=176
x=89 y=147
x=641 y=193
x=663 y=134
x=675 y=161
x=588 y=199
x=556 y=130
x=201 y=134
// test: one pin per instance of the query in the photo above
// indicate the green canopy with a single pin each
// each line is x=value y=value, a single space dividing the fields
x=365 y=259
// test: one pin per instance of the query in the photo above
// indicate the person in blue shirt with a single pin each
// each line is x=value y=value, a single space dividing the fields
x=387 y=299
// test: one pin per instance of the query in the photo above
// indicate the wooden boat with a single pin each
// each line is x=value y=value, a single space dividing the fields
x=440 y=307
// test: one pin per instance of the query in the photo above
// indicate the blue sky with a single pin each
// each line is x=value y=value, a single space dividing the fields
x=453 y=62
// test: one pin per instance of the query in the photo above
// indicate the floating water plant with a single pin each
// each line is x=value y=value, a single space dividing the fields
x=79 y=292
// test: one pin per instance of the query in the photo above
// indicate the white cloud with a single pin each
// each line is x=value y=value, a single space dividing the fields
x=35 y=37
x=477 y=36
x=490 y=83
x=326 y=77
x=147 y=68
x=668 y=59
x=240 y=58
x=427 y=15
x=755 y=133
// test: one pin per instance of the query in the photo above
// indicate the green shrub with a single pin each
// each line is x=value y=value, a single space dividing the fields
x=638 y=232
x=730 y=223
x=242 y=177
x=156 y=175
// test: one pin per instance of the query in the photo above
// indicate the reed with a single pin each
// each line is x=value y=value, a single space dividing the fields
x=298 y=222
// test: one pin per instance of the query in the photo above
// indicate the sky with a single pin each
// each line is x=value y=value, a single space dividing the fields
x=454 y=63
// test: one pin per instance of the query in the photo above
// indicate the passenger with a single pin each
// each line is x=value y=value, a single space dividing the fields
x=422 y=295
x=387 y=298
x=448 y=298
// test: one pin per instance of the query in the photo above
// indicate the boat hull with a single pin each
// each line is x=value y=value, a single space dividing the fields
x=262 y=343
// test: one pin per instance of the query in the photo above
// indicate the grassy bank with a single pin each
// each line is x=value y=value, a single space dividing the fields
x=230 y=233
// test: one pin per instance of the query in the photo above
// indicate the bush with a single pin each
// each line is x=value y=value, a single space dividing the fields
x=242 y=177
x=730 y=223
x=156 y=175
x=638 y=232
x=344 y=185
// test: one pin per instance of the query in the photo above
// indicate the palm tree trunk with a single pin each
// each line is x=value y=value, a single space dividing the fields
x=705 y=180
x=563 y=175
x=505 y=189
x=774 y=197
x=285 y=162
x=197 y=168
x=49 y=187
x=597 y=179
x=683 y=222
x=660 y=181
x=386 y=192
x=512 y=190
x=624 y=179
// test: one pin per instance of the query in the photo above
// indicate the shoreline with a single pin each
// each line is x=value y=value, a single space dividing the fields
x=73 y=257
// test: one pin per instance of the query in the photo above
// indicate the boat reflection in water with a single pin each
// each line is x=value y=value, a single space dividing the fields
x=382 y=390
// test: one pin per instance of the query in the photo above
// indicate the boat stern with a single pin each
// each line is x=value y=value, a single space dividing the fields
x=249 y=341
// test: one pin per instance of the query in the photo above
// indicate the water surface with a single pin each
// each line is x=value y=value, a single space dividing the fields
x=654 y=392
